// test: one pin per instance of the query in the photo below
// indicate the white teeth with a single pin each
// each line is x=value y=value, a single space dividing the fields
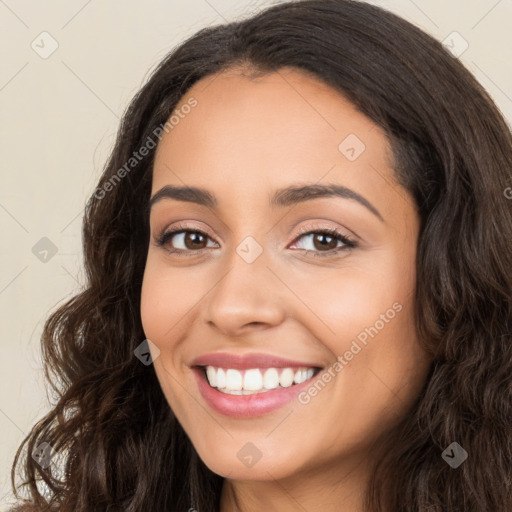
x=212 y=375
x=309 y=373
x=286 y=378
x=300 y=376
x=271 y=379
x=233 y=380
x=221 y=378
x=254 y=380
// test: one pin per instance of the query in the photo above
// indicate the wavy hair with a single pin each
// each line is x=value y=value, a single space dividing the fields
x=121 y=446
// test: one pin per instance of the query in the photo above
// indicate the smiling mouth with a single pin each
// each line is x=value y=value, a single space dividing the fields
x=251 y=381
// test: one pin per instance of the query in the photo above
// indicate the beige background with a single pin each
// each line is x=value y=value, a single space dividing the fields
x=59 y=116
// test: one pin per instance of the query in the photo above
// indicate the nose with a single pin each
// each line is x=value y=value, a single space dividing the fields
x=246 y=296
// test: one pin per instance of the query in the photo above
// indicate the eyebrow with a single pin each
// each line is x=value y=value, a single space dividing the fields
x=287 y=196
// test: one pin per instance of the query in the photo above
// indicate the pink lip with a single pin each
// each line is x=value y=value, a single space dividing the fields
x=246 y=361
x=247 y=406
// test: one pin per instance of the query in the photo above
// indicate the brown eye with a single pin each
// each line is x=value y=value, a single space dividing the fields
x=193 y=240
x=324 y=242
x=184 y=241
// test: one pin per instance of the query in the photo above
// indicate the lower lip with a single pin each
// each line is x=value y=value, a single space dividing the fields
x=247 y=406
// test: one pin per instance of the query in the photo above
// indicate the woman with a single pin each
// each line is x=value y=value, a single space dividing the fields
x=299 y=283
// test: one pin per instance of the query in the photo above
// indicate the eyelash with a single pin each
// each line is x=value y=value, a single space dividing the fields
x=166 y=236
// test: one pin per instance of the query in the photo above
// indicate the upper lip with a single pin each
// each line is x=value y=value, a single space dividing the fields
x=247 y=361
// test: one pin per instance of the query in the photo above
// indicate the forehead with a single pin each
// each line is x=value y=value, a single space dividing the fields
x=256 y=133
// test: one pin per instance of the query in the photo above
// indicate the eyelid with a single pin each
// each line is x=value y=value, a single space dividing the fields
x=308 y=229
x=179 y=228
x=184 y=226
x=347 y=240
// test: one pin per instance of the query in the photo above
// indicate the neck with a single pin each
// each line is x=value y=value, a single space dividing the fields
x=330 y=489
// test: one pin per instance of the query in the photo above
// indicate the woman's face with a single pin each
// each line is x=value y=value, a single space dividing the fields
x=254 y=273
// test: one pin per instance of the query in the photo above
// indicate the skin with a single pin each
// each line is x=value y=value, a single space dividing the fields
x=246 y=138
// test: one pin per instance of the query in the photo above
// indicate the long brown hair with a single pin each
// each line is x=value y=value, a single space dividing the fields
x=122 y=448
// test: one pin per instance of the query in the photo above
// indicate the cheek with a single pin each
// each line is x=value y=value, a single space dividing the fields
x=166 y=298
x=161 y=308
x=152 y=308
x=366 y=314
x=347 y=301
x=155 y=307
